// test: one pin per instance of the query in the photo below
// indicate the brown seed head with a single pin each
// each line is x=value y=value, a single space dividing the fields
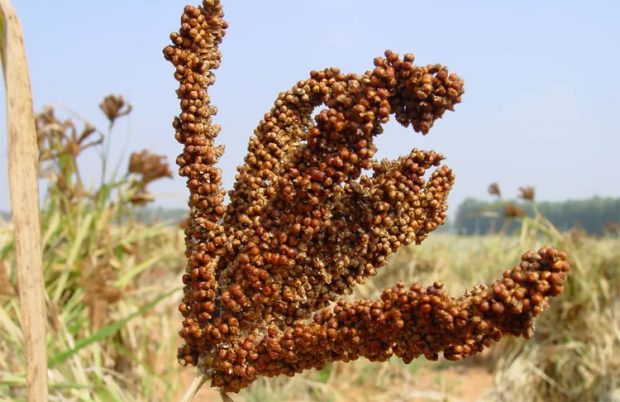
x=305 y=224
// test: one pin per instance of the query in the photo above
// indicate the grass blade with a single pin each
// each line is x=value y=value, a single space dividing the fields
x=129 y=275
x=106 y=331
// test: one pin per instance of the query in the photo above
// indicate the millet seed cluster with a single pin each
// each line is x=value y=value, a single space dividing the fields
x=304 y=225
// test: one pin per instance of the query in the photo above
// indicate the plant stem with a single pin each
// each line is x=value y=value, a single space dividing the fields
x=106 y=154
x=194 y=387
x=225 y=397
x=23 y=178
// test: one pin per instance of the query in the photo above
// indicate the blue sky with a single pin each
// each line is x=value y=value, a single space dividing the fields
x=542 y=80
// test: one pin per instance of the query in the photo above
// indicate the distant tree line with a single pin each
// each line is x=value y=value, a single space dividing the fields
x=156 y=214
x=596 y=216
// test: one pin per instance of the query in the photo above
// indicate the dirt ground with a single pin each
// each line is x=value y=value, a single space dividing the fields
x=462 y=384
x=453 y=384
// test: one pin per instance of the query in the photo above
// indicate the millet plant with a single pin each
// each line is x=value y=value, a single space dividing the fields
x=266 y=274
x=95 y=251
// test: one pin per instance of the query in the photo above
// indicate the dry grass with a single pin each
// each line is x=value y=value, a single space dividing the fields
x=110 y=285
x=575 y=355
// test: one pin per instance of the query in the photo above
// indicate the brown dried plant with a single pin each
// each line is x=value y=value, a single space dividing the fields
x=6 y=287
x=114 y=106
x=266 y=273
x=527 y=193
x=97 y=279
x=495 y=190
x=149 y=167
x=61 y=144
x=57 y=138
x=514 y=211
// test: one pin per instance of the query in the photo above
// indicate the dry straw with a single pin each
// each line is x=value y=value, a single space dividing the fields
x=23 y=162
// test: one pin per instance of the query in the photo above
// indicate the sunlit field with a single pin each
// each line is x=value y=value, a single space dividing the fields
x=112 y=285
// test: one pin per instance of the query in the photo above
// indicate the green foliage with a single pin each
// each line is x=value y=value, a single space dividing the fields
x=106 y=332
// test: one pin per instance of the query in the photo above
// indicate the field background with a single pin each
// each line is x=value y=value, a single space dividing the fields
x=113 y=285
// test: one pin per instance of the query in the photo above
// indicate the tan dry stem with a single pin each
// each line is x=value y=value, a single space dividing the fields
x=194 y=387
x=23 y=175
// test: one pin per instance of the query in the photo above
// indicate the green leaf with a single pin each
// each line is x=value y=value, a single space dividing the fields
x=79 y=239
x=106 y=331
x=129 y=275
